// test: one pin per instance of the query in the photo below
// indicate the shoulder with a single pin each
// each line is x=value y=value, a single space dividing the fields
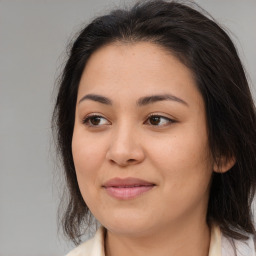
x=94 y=246
x=236 y=247
x=227 y=246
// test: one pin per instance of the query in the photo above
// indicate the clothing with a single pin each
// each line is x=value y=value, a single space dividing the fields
x=219 y=245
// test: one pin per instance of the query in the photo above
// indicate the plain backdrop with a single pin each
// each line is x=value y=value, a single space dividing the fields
x=33 y=37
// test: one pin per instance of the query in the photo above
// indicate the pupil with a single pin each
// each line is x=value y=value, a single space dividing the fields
x=95 y=120
x=155 y=120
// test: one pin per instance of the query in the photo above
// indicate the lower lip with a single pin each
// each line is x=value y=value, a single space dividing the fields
x=126 y=193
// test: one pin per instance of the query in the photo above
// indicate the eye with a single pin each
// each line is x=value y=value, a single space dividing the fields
x=158 y=120
x=95 y=120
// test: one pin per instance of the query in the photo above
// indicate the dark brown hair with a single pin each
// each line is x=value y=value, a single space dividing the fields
x=203 y=46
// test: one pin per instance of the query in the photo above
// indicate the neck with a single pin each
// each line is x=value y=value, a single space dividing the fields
x=186 y=239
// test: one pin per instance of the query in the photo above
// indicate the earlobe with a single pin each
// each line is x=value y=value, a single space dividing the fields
x=224 y=165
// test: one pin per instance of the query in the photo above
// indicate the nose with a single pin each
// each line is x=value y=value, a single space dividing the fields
x=125 y=148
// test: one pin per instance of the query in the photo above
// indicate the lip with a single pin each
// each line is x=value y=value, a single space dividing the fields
x=127 y=188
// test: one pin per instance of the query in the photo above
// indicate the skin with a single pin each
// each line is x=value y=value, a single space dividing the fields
x=170 y=151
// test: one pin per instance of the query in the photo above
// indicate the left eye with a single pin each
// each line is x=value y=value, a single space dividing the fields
x=95 y=120
x=157 y=120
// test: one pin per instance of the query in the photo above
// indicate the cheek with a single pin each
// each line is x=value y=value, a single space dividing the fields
x=84 y=155
x=183 y=160
x=184 y=149
x=88 y=155
x=185 y=169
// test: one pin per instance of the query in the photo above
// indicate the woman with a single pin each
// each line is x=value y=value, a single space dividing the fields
x=156 y=129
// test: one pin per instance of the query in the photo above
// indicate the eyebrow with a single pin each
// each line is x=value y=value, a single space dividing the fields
x=140 y=102
x=97 y=98
x=155 y=98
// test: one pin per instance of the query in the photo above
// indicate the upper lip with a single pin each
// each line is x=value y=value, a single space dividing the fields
x=130 y=181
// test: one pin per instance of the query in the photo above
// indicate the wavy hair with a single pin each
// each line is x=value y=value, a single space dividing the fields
x=206 y=49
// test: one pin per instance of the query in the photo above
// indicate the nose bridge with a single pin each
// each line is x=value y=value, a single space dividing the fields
x=125 y=146
x=124 y=136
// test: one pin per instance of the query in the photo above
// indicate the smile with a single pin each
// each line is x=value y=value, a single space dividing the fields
x=128 y=188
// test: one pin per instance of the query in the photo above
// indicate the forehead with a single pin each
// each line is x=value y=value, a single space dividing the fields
x=136 y=69
x=138 y=56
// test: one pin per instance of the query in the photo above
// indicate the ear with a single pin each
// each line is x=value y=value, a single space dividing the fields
x=224 y=164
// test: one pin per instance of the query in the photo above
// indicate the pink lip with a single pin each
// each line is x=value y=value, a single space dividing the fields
x=127 y=188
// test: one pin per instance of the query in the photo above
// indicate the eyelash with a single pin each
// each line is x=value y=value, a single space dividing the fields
x=169 y=120
x=87 y=120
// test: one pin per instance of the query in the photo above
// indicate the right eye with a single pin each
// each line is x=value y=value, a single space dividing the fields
x=95 y=121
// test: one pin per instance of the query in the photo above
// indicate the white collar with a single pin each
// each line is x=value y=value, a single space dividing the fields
x=219 y=245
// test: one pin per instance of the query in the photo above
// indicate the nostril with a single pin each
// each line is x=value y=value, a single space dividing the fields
x=112 y=161
x=131 y=160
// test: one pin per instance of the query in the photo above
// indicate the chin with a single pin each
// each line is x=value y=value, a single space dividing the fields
x=129 y=226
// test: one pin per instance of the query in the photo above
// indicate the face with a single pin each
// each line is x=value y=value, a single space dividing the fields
x=140 y=145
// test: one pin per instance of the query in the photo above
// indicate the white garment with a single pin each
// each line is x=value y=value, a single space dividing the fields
x=219 y=245
x=243 y=248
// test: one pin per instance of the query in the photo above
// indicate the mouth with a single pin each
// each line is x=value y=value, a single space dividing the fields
x=128 y=188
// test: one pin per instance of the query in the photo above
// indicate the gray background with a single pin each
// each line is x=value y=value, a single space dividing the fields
x=33 y=36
